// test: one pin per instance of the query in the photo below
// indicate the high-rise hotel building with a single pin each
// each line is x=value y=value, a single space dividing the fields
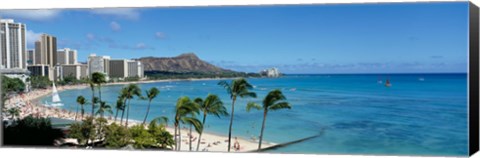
x=98 y=64
x=12 y=44
x=119 y=68
x=46 y=50
x=67 y=56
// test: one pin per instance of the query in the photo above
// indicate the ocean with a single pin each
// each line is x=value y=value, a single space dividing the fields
x=419 y=114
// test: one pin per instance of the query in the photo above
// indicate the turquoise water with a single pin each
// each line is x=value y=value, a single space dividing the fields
x=354 y=113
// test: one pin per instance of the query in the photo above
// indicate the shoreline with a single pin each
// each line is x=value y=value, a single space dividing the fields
x=30 y=104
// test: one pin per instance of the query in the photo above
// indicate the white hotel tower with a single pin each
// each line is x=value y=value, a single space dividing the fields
x=12 y=44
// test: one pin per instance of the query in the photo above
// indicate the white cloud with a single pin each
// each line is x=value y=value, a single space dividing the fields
x=115 y=26
x=141 y=46
x=36 y=15
x=160 y=35
x=125 y=13
x=90 y=36
x=31 y=37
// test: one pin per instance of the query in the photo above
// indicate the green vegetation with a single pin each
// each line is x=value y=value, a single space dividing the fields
x=120 y=106
x=122 y=96
x=71 y=80
x=236 y=88
x=212 y=105
x=82 y=131
x=81 y=101
x=40 y=82
x=13 y=113
x=10 y=85
x=131 y=91
x=151 y=94
x=184 y=110
x=275 y=100
x=31 y=131
x=92 y=88
x=104 y=107
x=97 y=132
x=163 y=138
x=99 y=79
x=14 y=85
x=118 y=136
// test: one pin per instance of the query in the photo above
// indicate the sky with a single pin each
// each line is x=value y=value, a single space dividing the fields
x=328 y=38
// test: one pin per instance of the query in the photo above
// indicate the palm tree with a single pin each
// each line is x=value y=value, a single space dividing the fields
x=13 y=112
x=132 y=90
x=81 y=101
x=151 y=94
x=119 y=106
x=213 y=106
x=123 y=96
x=104 y=107
x=99 y=79
x=237 y=88
x=183 y=114
x=92 y=87
x=274 y=100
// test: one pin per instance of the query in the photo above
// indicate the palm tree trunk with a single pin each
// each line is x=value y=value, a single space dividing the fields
x=261 y=131
x=100 y=92
x=200 y=135
x=231 y=122
x=83 y=111
x=128 y=111
x=123 y=111
x=116 y=114
x=76 y=114
x=148 y=110
x=180 y=138
x=190 y=140
x=175 y=136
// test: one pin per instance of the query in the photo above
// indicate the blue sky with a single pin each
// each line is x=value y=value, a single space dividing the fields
x=344 y=38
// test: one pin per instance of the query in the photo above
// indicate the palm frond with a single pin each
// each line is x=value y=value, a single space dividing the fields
x=281 y=105
x=162 y=120
x=273 y=97
x=248 y=94
x=193 y=121
x=251 y=105
x=227 y=87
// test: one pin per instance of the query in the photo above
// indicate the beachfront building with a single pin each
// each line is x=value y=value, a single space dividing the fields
x=30 y=57
x=78 y=71
x=46 y=54
x=135 y=69
x=98 y=64
x=12 y=44
x=67 y=56
x=272 y=72
x=46 y=50
x=118 y=68
x=39 y=70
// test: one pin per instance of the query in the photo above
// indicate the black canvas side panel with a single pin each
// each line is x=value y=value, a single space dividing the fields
x=473 y=80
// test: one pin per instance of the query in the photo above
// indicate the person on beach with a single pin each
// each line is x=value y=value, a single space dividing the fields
x=236 y=145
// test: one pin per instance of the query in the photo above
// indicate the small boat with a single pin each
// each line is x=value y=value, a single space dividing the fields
x=387 y=83
x=56 y=101
x=421 y=79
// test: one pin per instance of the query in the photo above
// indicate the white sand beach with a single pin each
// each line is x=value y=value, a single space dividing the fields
x=29 y=105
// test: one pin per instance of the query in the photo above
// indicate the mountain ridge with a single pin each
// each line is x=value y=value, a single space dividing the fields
x=186 y=62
